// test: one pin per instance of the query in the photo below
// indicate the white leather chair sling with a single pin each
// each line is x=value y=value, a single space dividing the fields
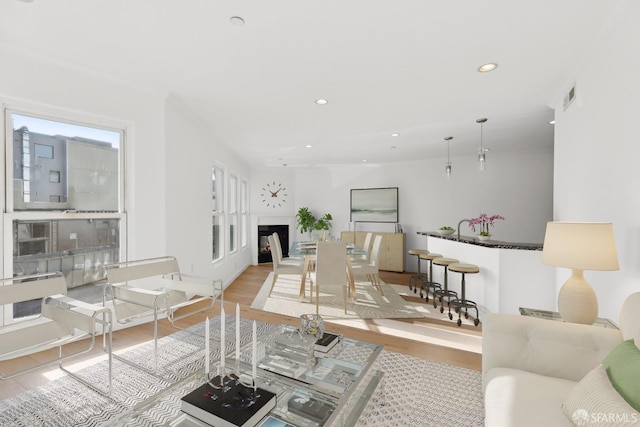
x=62 y=320
x=172 y=291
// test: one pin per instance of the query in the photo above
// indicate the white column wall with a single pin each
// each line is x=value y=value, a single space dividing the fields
x=191 y=153
x=30 y=81
x=597 y=153
x=515 y=185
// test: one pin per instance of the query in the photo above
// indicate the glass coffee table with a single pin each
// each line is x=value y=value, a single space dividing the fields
x=311 y=391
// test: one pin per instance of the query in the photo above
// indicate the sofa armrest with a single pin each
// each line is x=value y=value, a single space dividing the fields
x=551 y=348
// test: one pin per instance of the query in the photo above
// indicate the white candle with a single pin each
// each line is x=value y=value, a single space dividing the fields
x=237 y=332
x=206 y=348
x=222 y=343
x=254 y=354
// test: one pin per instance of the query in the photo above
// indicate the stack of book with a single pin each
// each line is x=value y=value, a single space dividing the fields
x=326 y=343
x=231 y=405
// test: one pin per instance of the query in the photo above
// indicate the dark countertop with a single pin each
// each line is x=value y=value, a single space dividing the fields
x=486 y=243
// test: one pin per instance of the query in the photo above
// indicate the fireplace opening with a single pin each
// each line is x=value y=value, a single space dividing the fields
x=264 y=250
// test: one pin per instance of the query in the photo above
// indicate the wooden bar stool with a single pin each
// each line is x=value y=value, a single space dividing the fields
x=429 y=284
x=444 y=292
x=415 y=279
x=463 y=302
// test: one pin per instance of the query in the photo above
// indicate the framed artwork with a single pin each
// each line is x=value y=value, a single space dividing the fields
x=374 y=204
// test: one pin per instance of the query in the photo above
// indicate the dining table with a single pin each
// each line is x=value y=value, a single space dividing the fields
x=307 y=251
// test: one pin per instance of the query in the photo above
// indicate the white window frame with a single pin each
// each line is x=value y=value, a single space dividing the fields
x=10 y=215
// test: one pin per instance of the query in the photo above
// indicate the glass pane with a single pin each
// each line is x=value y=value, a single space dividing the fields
x=233 y=227
x=233 y=200
x=217 y=237
x=217 y=179
x=86 y=160
x=79 y=248
x=243 y=197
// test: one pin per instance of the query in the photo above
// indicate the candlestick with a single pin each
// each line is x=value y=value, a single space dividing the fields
x=254 y=355
x=222 y=340
x=206 y=348
x=237 y=332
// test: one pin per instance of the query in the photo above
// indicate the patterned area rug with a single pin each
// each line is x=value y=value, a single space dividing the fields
x=371 y=304
x=413 y=392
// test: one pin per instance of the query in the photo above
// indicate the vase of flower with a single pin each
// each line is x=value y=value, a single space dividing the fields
x=483 y=222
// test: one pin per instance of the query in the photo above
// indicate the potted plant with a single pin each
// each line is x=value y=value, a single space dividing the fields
x=484 y=221
x=323 y=224
x=305 y=220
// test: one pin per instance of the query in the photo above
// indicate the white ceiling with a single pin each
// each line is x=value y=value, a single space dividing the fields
x=386 y=66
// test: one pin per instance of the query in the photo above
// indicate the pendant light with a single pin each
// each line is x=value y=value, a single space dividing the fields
x=447 y=168
x=482 y=151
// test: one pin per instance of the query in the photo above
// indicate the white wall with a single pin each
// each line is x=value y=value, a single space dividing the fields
x=191 y=153
x=597 y=152
x=515 y=185
x=169 y=157
x=30 y=82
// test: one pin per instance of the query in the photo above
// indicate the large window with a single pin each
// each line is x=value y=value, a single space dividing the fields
x=217 y=212
x=64 y=198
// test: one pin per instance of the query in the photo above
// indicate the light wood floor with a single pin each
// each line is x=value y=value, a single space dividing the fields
x=243 y=291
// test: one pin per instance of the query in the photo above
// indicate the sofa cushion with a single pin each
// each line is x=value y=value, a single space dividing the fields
x=594 y=402
x=623 y=367
x=520 y=398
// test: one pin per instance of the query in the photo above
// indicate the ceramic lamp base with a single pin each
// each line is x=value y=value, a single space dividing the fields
x=577 y=301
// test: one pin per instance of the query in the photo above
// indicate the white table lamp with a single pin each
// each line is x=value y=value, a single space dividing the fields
x=579 y=246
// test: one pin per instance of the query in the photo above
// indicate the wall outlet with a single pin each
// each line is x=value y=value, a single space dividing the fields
x=73 y=236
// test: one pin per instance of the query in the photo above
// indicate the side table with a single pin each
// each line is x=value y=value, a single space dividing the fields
x=554 y=315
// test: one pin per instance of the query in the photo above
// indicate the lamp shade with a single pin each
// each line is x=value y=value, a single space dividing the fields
x=580 y=245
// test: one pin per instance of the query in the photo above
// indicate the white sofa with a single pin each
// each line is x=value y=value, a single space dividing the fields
x=530 y=366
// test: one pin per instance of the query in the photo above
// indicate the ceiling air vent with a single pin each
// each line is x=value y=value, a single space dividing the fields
x=570 y=97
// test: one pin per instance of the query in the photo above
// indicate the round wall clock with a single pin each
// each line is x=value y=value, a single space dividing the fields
x=274 y=195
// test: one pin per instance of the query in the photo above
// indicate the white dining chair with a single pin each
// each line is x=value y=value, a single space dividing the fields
x=370 y=269
x=331 y=270
x=366 y=257
x=277 y=251
x=279 y=267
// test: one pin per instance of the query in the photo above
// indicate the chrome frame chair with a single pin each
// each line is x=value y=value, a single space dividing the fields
x=62 y=320
x=171 y=293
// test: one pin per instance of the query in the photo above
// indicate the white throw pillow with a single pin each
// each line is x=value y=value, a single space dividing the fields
x=593 y=402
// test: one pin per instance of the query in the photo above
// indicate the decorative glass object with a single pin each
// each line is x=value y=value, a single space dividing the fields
x=312 y=324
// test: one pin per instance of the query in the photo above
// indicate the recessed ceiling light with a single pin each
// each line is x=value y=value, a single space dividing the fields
x=364 y=161
x=552 y=122
x=236 y=20
x=487 y=67
x=395 y=134
x=321 y=101
x=308 y=146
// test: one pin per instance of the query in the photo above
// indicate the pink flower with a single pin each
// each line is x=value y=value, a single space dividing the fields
x=484 y=221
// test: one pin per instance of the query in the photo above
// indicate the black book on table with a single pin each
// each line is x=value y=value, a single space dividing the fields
x=235 y=407
x=327 y=342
